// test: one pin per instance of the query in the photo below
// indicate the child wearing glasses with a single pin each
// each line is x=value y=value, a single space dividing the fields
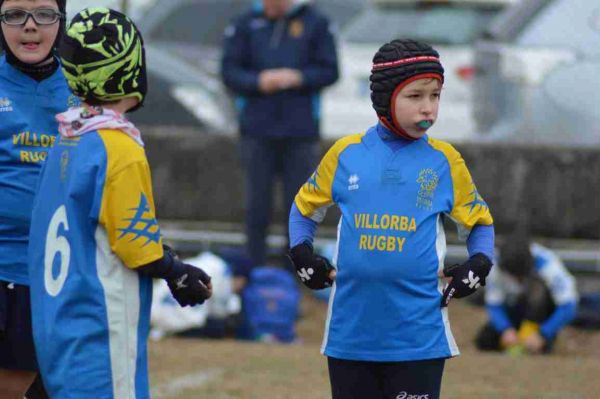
x=32 y=90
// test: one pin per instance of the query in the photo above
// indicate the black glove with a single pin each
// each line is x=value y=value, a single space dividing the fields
x=312 y=269
x=190 y=284
x=466 y=278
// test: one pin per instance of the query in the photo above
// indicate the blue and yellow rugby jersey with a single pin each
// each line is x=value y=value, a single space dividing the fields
x=27 y=130
x=385 y=303
x=504 y=291
x=93 y=223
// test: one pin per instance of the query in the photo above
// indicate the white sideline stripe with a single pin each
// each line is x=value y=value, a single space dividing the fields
x=188 y=381
x=332 y=292
x=577 y=260
x=122 y=297
x=441 y=249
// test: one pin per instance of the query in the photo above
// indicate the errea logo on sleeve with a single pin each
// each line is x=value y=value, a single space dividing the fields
x=353 y=182
x=5 y=104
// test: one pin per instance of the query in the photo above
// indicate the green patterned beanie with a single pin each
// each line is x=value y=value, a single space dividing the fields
x=103 y=57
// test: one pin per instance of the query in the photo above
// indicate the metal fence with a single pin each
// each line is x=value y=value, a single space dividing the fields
x=579 y=261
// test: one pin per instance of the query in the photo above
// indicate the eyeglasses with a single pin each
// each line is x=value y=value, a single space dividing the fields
x=41 y=16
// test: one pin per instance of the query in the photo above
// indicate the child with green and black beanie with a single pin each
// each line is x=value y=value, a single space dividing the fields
x=95 y=241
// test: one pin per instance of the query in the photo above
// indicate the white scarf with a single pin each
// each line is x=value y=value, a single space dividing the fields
x=80 y=120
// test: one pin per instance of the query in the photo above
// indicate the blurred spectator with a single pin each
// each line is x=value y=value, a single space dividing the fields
x=276 y=59
x=530 y=296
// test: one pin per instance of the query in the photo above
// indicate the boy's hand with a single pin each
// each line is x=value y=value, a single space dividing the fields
x=466 y=278
x=191 y=287
x=315 y=271
x=509 y=338
x=268 y=81
x=534 y=343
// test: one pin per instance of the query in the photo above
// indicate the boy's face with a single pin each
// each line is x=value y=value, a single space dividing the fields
x=418 y=101
x=30 y=43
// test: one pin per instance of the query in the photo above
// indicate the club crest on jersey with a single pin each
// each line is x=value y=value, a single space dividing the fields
x=296 y=28
x=353 y=182
x=143 y=224
x=428 y=181
x=73 y=101
x=5 y=104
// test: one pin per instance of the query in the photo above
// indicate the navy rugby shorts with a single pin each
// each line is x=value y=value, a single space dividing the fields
x=418 y=379
x=16 y=340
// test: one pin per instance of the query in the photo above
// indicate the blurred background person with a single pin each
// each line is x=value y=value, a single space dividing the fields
x=530 y=297
x=277 y=57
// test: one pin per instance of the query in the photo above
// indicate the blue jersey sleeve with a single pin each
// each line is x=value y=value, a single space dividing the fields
x=498 y=317
x=560 y=318
x=481 y=240
x=301 y=228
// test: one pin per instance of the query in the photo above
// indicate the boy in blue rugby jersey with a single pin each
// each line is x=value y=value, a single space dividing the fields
x=95 y=242
x=387 y=333
x=32 y=90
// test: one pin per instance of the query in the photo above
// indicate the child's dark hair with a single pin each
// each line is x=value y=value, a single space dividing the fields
x=515 y=255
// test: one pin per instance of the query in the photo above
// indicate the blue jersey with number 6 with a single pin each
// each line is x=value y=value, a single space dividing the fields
x=93 y=223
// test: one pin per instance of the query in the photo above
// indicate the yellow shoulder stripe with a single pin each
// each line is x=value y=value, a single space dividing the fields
x=127 y=209
x=121 y=150
x=469 y=207
x=317 y=193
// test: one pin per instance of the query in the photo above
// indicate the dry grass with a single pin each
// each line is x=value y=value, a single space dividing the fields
x=229 y=369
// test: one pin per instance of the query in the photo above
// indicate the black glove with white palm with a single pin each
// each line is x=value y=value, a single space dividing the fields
x=315 y=271
x=466 y=278
x=189 y=285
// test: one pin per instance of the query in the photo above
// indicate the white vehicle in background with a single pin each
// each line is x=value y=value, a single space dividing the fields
x=538 y=77
x=183 y=41
x=450 y=26
x=135 y=8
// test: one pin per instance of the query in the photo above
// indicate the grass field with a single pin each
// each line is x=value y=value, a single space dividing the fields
x=226 y=369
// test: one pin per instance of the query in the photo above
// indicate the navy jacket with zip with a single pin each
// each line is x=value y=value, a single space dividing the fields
x=303 y=41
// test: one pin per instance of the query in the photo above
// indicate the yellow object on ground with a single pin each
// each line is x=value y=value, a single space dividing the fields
x=527 y=328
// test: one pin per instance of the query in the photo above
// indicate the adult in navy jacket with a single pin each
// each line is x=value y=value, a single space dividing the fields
x=277 y=57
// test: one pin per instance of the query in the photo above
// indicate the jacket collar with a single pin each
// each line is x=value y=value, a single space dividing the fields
x=295 y=9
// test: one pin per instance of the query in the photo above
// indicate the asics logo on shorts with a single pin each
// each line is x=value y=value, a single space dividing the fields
x=406 y=395
x=305 y=273
x=472 y=281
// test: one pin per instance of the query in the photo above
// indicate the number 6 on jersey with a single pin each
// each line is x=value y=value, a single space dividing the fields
x=56 y=244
